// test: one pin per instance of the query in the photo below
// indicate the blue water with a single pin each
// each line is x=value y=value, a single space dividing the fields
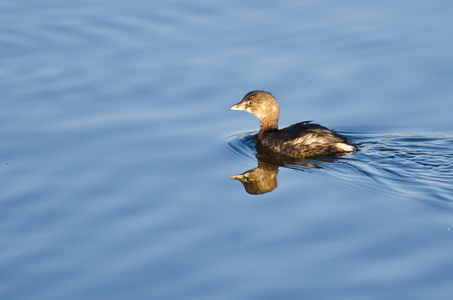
x=117 y=147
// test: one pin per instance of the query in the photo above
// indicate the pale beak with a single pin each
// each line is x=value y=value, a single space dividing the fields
x=238 y=106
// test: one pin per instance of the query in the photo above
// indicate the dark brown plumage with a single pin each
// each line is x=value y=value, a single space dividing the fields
x=301 y=140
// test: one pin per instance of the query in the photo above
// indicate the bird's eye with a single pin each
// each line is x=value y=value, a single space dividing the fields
x=250 y=102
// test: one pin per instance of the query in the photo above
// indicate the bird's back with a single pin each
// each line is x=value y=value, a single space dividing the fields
x=306 y=139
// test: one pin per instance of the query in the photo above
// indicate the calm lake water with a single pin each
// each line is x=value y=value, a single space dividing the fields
x=117 y=147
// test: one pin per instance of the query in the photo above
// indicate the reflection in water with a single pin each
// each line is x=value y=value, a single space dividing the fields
x=419 y=164
x=259 y=180
x=263 y=178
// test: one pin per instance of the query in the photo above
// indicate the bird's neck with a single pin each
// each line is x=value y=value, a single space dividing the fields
x=268 y=124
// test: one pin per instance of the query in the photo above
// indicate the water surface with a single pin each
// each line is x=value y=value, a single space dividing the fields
x=117 y=147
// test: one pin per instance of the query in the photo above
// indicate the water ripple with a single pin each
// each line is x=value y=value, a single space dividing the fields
x=242 y=144
x=417 y=165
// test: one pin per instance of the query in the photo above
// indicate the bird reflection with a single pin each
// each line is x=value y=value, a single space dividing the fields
x=259 y=180
x=263 y=178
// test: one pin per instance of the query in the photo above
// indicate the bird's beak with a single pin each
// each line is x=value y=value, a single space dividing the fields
x=238 y=177
x=238 y=106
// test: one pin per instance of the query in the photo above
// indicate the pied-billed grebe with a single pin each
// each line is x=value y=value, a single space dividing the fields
x=301 y=140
